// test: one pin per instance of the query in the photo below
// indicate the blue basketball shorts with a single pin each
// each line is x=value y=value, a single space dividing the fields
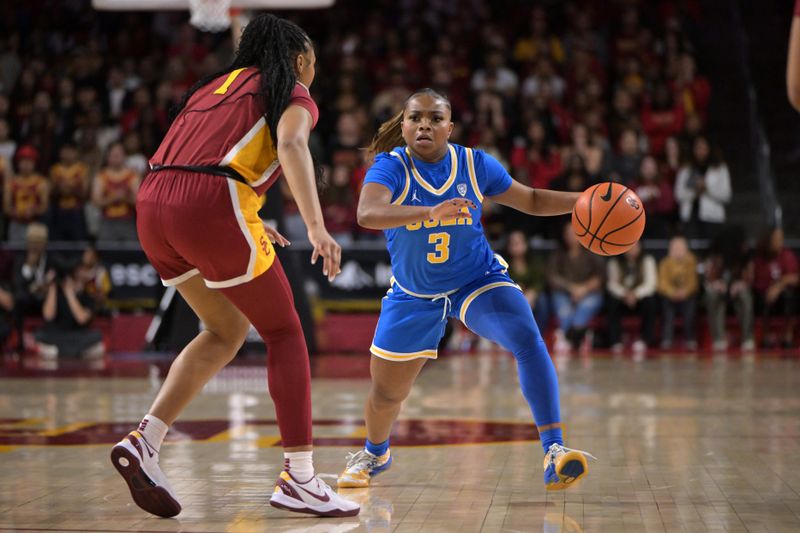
x=411 y=326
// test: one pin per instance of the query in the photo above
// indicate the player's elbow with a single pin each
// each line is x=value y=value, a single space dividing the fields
x=364 y=218
x=291 y=143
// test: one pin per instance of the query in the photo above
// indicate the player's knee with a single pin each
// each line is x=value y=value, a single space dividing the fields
x=383 y=396
x=232 y=331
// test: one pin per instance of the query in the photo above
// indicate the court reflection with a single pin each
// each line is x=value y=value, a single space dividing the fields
x=560 y=522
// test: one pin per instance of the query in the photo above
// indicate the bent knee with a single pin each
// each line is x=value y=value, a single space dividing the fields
x=386 y=395
x=232 y=332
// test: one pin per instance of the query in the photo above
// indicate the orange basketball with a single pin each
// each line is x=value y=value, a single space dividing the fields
x=608 y=218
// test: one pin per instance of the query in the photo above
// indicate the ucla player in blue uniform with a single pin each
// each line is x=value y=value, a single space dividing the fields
x=426 y=195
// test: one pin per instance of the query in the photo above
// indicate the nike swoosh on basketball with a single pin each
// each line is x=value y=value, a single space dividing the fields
x=323 y=498
x=607 y=196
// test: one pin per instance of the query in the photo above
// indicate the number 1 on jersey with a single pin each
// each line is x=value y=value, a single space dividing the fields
x=441 y=253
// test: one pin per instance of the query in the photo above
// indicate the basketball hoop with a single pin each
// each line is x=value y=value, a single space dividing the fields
x=210 y=15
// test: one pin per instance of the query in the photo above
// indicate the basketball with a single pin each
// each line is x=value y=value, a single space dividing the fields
x=608 y=218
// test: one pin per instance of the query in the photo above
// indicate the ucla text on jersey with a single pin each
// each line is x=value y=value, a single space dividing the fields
x=432 y=257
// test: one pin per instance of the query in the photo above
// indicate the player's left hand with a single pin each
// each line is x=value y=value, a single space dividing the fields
x=275 y=237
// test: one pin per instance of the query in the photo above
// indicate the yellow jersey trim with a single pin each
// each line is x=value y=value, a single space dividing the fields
x=403 y=195
x=427 y=186
x=398 y=356
x=477 y=292
x=473 y=178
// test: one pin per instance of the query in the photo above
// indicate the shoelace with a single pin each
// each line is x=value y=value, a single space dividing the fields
x=361 y=456
x=564 y=449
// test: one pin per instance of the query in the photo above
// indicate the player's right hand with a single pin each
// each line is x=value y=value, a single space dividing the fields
x=328 y=249
x=450 y=209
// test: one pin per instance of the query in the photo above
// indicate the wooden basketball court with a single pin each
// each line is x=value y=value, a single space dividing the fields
x=684 y=444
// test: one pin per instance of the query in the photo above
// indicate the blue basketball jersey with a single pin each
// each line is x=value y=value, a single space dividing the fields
x=433 y=257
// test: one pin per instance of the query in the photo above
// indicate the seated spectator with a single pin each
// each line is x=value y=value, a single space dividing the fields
x=67 y=311
x=702 y=189
x=495 y=76
x=30 y=284
x=93 y=277
x=339 y=205
x=8 y=146
x=625 y=164
x=692 y=90
x=26 y=195
x=545 y=74
x=656 y=195
x=114 y=193
x=539 y=159
x=775 y=284
x=575 y=277
x=70 y=182
x=135 y=159
x=728 y=278
x=527 y=270
x=631 y=283
x=661 y=118
x=678 y=283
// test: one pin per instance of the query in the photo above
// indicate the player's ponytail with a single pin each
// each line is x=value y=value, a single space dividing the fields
x=390 y=134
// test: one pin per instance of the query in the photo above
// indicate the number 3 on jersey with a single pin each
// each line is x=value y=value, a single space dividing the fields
x=441 y=253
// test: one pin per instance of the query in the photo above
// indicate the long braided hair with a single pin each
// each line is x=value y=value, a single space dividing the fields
x=390 y=133
x=270 y=44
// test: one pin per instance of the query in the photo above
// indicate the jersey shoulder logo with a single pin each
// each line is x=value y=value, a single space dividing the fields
x=462 y=189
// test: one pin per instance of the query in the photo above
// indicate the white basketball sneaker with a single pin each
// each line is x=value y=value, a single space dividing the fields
x=137 y=463
x=312 y=497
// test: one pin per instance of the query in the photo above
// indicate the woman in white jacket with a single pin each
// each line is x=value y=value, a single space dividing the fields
x=702 y=189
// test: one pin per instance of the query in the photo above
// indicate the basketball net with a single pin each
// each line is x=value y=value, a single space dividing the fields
x=210 y=15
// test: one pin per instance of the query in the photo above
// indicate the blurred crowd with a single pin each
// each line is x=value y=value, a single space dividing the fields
x=564 y=94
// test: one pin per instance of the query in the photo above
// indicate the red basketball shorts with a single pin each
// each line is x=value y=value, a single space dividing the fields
x=191 y=223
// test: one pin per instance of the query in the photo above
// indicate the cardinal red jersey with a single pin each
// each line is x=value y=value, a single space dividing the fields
x=118 y=184
x=223 y=124
x=26 y=197
x=69 y=182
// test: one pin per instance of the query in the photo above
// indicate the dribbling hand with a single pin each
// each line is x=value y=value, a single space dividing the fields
x=328 y=249
x=450 y=209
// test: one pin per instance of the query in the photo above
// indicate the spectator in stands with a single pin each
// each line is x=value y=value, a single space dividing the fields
x=339 y=205
x=702 y=188
x=67 y=311
x=662 y=117
x=657 y=197
x=544 y=74
x=527 y=270
x=728 y=278
x=8 y=146
x=539 y=42
x=30 y=283
x=135 y=159
x=93 y=277
x=114 y=193
x=538 y=160
x=626 y=163
x=631 y=283
x=692 y=90
x=26 y=195
x=575 y=277
x=586 y=144
x=678 y=283
x=775 y=284
x=69 y=179
x=495 y=76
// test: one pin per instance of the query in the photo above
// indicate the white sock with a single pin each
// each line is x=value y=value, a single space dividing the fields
x=153 y=429
x=299 y=464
